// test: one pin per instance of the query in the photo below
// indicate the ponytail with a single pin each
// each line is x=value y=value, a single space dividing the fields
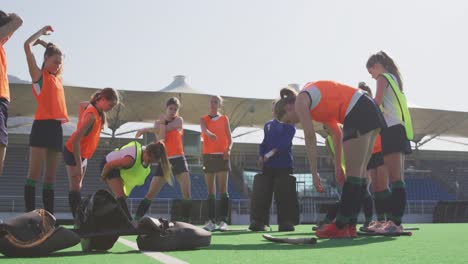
x=388 y=63
x=157 y=151
x=288 y=93
x=287 y=96
x=51 y=50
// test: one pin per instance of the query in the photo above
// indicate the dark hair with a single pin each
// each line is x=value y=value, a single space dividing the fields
x=4 y=18
x=173 y=101
x=157 y=151
x=388 y=63
x=363 y=86
x=287 y=96
x=51 y=50
x=108 y=94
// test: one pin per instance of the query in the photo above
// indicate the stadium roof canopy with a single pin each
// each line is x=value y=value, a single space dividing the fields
x=145 y=106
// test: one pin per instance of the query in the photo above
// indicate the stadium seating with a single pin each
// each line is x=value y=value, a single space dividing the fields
x=16 y=168
x=426 y=189
x=198 y=188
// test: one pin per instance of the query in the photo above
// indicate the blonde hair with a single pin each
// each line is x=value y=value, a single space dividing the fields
x=157 y=151
x=220 y=99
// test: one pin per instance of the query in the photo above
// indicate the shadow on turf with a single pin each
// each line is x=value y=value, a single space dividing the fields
x=78 y=253
x=236 y=232
x=275 y=233
x=322 y=243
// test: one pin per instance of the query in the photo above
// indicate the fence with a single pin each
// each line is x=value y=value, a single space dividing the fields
x=309 y=207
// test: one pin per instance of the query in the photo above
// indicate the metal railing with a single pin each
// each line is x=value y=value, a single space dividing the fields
x=309 y=206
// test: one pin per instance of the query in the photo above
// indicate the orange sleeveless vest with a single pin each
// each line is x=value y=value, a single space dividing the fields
x=377 y=145
x=217 y=127
x=174 y=144
x=335 y=99
x=89 y=142
x=51 y=99
x=4 y=85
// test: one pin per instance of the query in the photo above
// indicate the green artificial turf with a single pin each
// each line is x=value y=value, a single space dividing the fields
x=433 y=243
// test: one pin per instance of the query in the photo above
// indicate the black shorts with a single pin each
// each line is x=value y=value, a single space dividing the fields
x=215 y=163
x=114 y=173
x=363 y=118
x=375 y=161
x=394 y=140
x=178 y=165
x=4 y=106
x=47 y=134
x=69 y=158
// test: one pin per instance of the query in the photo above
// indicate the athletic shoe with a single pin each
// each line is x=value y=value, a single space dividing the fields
x=390 y=227
x=209 y=226
x=365 y=227
x=223 y=226
x=332 y=231
x=286 y=227
x=352 y=230
x=320 y=225
x=256 y=226
x=375 y=225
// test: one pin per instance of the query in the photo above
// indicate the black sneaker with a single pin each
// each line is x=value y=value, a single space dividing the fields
x=256 y=227
x=365 y=228
x=286 y=227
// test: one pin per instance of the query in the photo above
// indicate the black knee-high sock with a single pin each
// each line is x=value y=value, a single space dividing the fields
x=381 y=200
x=367 y=206
x=48 y=195
x=30 y=195
x=360 y=201
x=142 y=208
x=350 y=201
x=211 y=202
x=331 y=213
x=123 y=204
x=224 y=207
x=398 y=201
x=186 y=210
x=74 y=200
x=388 y=206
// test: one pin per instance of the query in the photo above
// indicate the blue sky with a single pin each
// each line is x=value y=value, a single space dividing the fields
x=251 y=48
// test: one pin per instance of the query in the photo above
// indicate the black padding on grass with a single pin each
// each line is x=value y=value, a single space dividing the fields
x=34 y=234
x=170 y=236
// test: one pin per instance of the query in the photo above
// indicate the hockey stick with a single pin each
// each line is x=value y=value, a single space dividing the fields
x=287 y=240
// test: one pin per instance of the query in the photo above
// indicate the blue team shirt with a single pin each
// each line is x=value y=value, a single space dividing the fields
x=278 y=135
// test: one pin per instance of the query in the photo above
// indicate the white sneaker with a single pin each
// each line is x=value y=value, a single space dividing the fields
x=390 y=228
x=374 y=225
x=223 y=226
x=209 y=226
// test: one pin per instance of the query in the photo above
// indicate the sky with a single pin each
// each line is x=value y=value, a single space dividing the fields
x=251 y=48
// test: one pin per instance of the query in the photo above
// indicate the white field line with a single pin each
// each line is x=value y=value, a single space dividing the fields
x=163 y=258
